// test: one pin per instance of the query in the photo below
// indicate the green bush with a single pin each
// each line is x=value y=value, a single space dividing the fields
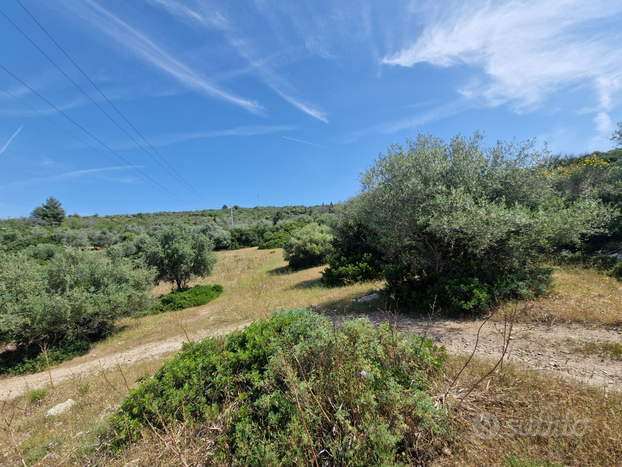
x=274 y=240
x=459 y=217
x=44 y=251
x=359 y=393
x=308 y=247
x=354 y=256
x=30 y=358
x=75 y=296
x=178 y=255
x=181 y=299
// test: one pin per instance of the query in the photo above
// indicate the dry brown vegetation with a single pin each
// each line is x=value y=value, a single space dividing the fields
x=256 y=282
x=579 y=295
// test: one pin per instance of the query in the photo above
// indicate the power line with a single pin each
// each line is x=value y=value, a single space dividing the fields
x=79 y=139
x=92 y=136
x=183 y=182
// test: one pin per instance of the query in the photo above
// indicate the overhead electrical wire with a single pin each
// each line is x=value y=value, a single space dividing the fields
x=178 y=177
x=79 y=139
x=93 y=136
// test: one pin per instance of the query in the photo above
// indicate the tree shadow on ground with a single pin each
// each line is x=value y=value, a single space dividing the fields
x=308 y=284
x=281 y=271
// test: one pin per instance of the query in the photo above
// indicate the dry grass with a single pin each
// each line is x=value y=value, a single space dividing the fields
x=519 y=396
x=71 y=438
x=256 y=282
x=579 y=296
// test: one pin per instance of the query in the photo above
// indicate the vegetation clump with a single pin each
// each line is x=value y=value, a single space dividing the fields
x=180 y=299
x=178 y=255
x=460 y=224
x=308 y=246
x=296 y=390
x=64 y=303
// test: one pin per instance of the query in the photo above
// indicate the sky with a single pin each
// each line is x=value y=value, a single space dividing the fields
x=117 y=107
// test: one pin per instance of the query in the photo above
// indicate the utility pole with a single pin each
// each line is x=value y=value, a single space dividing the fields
x=231 y=216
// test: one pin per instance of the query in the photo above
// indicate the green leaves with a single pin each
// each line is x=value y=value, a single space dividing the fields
x=307 y=247
x=50 y=211
x=436 y=208
x=359 y=392
x=76 y=295
x=178 y=255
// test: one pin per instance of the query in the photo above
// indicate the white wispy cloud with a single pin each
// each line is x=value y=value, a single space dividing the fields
x=250 y=130
x=210 y=17
x=11 y=139
x=314 y=144
x=63 y=176
x=526 y=49
x=145 y=48
x=393 y=126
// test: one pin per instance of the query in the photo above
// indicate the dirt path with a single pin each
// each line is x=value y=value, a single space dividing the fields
x=555 y=349
x=91 y=363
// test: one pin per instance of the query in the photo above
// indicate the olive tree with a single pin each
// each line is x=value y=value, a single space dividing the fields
x=308 y=247
x=461 y=222
x=178 y=255
x=75 y=296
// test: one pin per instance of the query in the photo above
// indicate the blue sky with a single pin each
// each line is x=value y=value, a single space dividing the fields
x=285 y=101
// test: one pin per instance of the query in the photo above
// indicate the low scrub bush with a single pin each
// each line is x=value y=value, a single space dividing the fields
x=187 y=298
x=295 y=390
x=308 y=246
x=75 y=296
x=457 y=217
x=274 y=240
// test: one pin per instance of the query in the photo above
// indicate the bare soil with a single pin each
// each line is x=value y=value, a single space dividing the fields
x=556 y=349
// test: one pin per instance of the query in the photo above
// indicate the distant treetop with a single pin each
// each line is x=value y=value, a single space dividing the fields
x=51 y=211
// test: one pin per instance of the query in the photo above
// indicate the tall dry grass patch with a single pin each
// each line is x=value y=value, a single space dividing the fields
x=579 y=295
x=543 y=420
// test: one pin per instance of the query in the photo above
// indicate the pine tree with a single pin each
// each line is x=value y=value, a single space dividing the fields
x=50 y=211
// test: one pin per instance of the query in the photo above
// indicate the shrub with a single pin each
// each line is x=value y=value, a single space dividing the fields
x=76 y=296
x=274 y=240
x=308 y=247
x=220 y=237
x=359 y=393
x=44 y=251
x=467 y=217
x=354 y=257
x=121 y=250
x=181 y=299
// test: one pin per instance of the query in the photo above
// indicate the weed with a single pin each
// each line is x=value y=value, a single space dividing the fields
x=35 y=395
x=612 y=349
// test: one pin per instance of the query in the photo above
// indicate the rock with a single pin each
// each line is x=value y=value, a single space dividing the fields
x=368 y=298
x=60 y=408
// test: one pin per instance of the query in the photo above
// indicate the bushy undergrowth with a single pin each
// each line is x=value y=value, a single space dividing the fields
x=31 y=358
x=463 y=222
x=610 y=264
x=274 y=240
x=75 y=296
x=308 y=247
x=180 y=299
x=295 y=390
